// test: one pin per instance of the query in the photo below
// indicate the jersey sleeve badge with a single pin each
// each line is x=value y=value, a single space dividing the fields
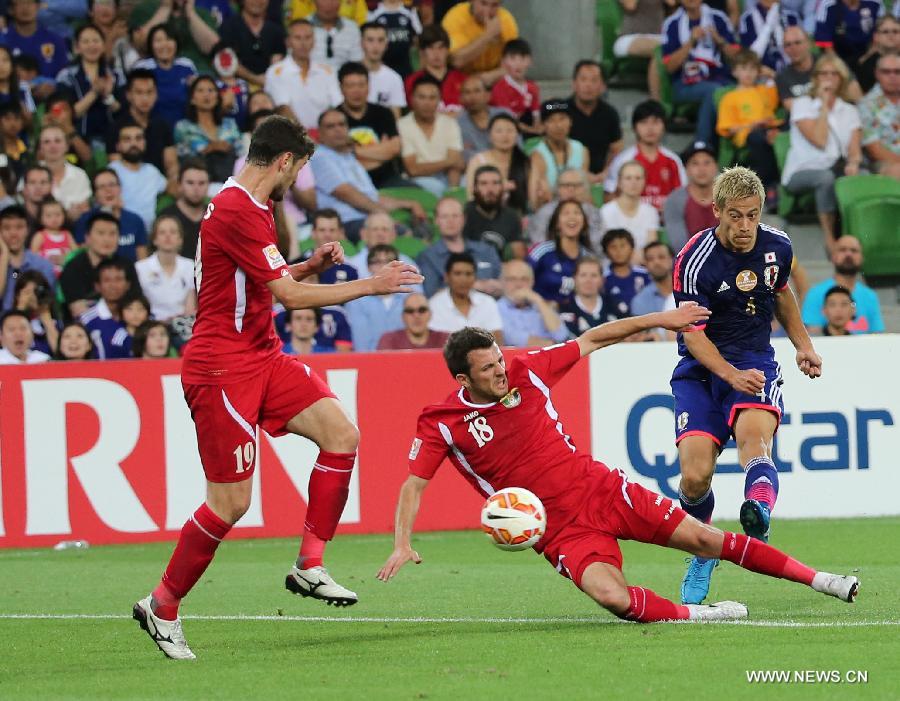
x=414 y=450
x=273 y=256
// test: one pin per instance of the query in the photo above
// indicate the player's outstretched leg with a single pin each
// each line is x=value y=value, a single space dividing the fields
x=200 y=536
x=756 y=556
x=325 y=423
x=697 y=455
x=606 y=585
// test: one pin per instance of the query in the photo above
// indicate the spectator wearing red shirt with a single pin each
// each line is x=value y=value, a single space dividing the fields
x=415 y=333
x=663 y=167
x=434 y=52
x=514 y=91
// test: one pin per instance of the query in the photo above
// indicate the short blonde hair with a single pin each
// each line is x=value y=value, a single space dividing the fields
x=737 y=183
x=835 y=62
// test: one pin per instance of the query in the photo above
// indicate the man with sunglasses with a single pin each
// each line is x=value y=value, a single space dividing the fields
x=415 y=333
x=879 y=112
x=301 y=86
x=337 y=38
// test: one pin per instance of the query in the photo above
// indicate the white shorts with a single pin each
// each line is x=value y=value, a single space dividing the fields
x=623 y=43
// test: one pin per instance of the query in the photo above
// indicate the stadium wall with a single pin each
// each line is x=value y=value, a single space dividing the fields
x=106 y=452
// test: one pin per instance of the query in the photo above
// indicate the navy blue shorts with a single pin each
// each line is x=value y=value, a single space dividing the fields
x=706 y=405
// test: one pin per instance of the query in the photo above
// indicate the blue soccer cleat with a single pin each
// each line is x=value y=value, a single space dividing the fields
x=755 y=518
x=695 y=585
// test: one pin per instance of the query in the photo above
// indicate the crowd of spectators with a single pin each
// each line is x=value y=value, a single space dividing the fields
x=119 y=120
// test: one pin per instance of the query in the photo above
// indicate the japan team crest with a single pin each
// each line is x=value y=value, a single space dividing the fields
x=770 y=275
x=513 y=399
x=48 y=51
x=682 y=420
x=745 y=280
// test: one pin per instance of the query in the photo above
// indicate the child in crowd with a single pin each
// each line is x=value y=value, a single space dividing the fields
x=235 y=91
x=74 y=343
x=385 y=84
x=152 y=340
x=403 y=26
x=514 y=91
x=53 y=241
x=747 y=117
x=623 y=279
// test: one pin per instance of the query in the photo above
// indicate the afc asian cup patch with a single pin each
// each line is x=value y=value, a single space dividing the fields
x=682 y=420
x=414 y=450
x=273 y=256
x=512 y=399
x=745 y=280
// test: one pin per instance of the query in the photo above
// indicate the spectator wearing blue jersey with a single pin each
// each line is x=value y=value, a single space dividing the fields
x=623 y=279
x=185 y=21
x=11 y=90
x=847 y=27
x=74 y=343
x=762 y=31
x=93 y=83
x=528 y=319
x=173 y=74
x=303 y=325
x=588 y=306
x=554 y=260
x=656 y=297
x=108 y=198
x=333 y=333
x=60 y=16
x=327 y=227
x=24 y=35
x=141 y=182
x=697 y=39
x=104 y=319
x=15 y=258
x=34 y=296
x=847 y=258
x=804 y=9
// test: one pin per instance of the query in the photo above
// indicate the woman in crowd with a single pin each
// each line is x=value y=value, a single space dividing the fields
x=173 y=74
x=555 y=153
x=554 y=260
x=34 y=296
x=151 y=340
x=166 y=277
x=94 y=83
x=507 y=157
x=10 y=88
x=825 y=140
x=627 y=211
x=206 y=132
x=74 y=343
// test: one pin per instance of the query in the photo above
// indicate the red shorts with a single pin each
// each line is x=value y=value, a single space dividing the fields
x=628 y=511
x=226 y=416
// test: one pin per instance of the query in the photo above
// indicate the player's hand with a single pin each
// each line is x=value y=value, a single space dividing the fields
x=684 y=316
x=810 y=363
x=398 y=558
x=748 y=381
x=396 y=276
x=326 y=255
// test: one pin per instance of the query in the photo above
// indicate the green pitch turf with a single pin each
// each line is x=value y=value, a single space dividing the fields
x=512 y=627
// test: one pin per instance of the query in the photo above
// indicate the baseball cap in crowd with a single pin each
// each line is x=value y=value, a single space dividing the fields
x=646 y=109
x=698 y=147
x=554 y=106
x=226 y=62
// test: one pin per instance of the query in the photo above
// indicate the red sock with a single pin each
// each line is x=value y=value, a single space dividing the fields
x=312 y=547
x=756 y=556
x=200 y=536
x=329 y=486
x=647 y=607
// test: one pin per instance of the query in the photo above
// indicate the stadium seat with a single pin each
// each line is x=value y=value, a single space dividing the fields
x=531 y=144
x=630 y=71
x=597 y=193
x=683 y=110
x=788 y=204
x=350 y=248
x=417 y=194
x=874 y=222
x=457 y=193
x=410 y=245
x=852 y=191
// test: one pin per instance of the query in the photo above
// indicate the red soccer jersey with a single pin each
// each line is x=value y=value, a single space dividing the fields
x=236 y=256
x=518 y=98
x=518 y=441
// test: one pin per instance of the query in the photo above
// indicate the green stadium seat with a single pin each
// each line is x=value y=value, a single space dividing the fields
x=597 y=193
x=417 y=194
x=457 y=193
x=531 y=144
x=685 y=110
x=410 y=245
x=350 y=249
x=874 y=223
x=630 y=71
x=853 y=190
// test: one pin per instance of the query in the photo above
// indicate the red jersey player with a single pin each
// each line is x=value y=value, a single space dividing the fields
x=500 y=429
x=236 y=378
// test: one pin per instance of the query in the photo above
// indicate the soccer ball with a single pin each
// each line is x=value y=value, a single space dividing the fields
x=513 y=518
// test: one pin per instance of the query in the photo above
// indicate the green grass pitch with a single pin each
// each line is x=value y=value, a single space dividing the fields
x=511 y=628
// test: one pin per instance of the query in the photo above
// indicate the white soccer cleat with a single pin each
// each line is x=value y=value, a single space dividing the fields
x=167 y=635
x=840 y=586
x=721 y=611
x=317 y=583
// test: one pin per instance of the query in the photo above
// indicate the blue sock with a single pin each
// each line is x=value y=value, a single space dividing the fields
x=702 y=508
x=761 y=482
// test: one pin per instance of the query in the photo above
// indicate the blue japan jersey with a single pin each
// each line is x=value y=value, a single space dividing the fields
x=738 y=288
x=619 y=291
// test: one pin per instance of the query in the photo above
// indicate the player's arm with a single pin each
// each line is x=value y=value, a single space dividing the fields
x=706 y=353
x=407 y=508
x=394 y=277
x=788 y=314
x=322 y=259
x=680 y=319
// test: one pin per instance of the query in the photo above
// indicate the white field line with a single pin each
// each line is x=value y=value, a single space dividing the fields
x=443 y=620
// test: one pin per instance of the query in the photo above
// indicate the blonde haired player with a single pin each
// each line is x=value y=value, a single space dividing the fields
x=728 y=382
